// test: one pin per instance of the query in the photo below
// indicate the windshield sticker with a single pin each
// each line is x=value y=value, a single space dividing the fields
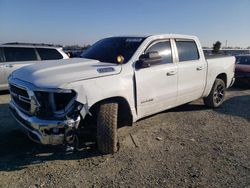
x=133 y=39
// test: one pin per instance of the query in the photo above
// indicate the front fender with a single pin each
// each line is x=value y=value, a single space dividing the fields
x=90 y=92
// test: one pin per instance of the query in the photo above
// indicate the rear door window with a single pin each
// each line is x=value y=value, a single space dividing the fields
x=19 y=54
x=187 y=50
x=49 y=54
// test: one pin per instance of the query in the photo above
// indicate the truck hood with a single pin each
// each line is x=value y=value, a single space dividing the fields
x=56 y=73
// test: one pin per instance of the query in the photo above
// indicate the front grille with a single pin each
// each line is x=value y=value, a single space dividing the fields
x=19 y=91
x=21 y=98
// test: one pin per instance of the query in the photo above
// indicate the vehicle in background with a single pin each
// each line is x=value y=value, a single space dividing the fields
x=73 y=53
x=242 y=70
x=231 y=52
x=16 y=55
x=118 y=80
x=75 y=50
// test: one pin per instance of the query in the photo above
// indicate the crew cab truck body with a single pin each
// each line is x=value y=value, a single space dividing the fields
x=118 y=78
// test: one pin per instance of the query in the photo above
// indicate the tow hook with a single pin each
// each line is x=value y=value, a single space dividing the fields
x=70 y=135
x=77 y=139
x=72 y=139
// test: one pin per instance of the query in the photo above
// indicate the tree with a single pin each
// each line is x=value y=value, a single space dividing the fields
x=216 y=47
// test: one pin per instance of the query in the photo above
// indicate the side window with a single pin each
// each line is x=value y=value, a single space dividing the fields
x=164 y=50
x=19 y=54
x=243 y=60
x=187 y=50
x=49 y=54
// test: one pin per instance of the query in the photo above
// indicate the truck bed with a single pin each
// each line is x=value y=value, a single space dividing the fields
x=213 y=56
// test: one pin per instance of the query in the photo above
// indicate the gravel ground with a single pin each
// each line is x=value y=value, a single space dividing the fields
x=189 y=146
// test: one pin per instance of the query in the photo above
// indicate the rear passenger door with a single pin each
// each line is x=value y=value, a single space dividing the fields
x=191 y=70
x=17 y=57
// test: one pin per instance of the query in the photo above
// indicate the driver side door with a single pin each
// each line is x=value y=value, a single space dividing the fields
x=156 y=86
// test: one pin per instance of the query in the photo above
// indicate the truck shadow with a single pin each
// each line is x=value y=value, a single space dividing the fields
x=235 y=106
x=17 y=151
x=5 y=92
x=239 y=85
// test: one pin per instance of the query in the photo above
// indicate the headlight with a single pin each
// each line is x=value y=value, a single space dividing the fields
x=63 y=99
x=55 y=102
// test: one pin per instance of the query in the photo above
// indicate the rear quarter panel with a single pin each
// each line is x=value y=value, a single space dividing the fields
x=218 y=66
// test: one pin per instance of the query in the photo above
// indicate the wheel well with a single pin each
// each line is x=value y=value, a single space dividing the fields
x=223 y=76
x=124 y=112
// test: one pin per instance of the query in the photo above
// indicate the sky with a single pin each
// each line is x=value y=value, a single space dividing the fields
x=69 y=22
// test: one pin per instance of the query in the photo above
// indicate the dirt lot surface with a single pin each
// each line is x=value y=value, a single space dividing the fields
x=189 y=146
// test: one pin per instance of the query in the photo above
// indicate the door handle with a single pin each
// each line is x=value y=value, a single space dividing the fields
x=171 y=73
x=199 y=68
x=8 y=65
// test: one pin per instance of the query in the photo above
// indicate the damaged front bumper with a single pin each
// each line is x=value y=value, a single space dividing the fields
x=48 y=132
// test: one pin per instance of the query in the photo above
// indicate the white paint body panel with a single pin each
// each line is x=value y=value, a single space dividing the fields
x=60 y=72
x=191 y=81
x=136 y=86
x=217 y=66
x=155 y=90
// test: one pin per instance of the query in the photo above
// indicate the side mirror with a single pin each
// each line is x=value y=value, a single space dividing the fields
x=148 y=59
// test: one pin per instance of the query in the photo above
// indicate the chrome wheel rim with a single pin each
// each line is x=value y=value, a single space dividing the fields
x=219 y=94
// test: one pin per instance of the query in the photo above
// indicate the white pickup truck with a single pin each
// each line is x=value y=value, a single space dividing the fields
x=117 y=80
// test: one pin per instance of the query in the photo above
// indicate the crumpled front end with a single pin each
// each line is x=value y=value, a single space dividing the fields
x=48 y=116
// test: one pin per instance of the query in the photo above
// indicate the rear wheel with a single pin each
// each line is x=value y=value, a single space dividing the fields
x=216 y=95
x=107 y=128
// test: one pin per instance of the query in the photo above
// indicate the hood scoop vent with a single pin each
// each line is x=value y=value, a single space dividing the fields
x=106 y=69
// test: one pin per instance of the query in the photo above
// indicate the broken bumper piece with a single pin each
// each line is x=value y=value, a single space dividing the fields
x=48 y=132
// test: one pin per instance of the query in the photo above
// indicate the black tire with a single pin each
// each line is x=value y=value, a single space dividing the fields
x=216 y=95
x=107 y=128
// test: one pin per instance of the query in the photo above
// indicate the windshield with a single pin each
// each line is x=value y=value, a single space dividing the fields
x=111 y=49
x=243 y=60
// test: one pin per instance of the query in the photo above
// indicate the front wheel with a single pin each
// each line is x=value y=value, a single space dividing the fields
x=107 y=128
x=216 y=95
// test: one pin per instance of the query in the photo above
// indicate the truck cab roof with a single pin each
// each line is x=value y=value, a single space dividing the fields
x=158 y=36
